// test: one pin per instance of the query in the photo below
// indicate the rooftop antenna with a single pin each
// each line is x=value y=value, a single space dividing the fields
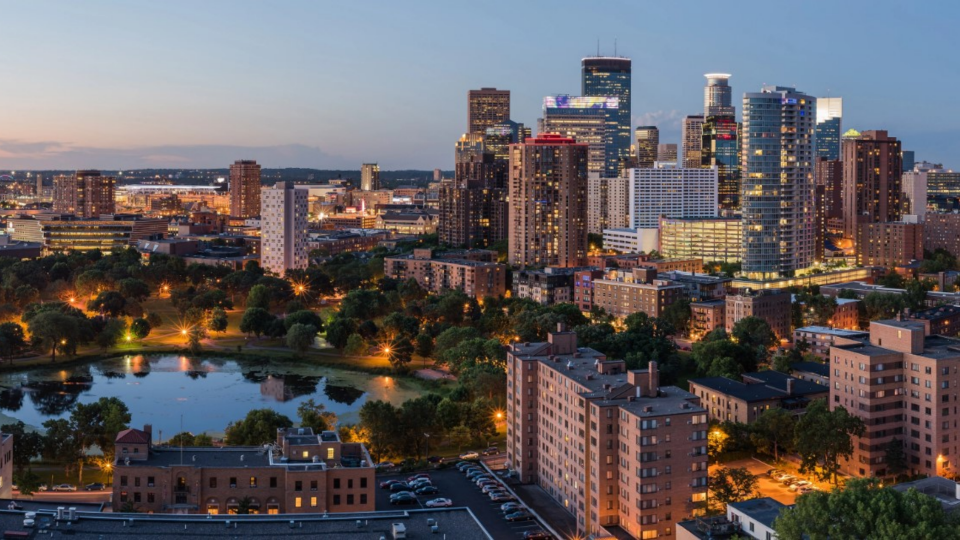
x=598 y=46
x=614 y=46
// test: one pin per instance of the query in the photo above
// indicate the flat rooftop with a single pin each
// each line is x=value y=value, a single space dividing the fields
x=453 y=522
x=829 y=331
x=771 y=385
x=812 y=367
x=937 y=313
x=764 y=510
x=230 y=456
x=938 y=487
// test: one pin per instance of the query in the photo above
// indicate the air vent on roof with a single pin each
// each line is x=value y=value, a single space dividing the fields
x=648 y=408
x=576 y=355
x=569 y=365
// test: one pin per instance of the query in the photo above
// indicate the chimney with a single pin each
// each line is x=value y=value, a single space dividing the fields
x=790 y=386
x=654 y=378
x=148 y=429
x=561 y=327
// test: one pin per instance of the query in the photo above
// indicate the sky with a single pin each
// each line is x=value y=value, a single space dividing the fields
x=331 y=84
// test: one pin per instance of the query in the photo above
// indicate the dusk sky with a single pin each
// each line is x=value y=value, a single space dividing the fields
x=125 y=84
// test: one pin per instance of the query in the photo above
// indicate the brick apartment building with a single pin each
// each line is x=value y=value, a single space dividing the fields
x=729 y=400
x=942 y=231
x=609 y=445
x=705 y=317
x=903 y=384
x=551 y=285
x=302 y=473
x=939 y=321
x=583 y=288
x=821 y=338
x=474 y=272
x=889 y=244
x=625 y=292
x=772 y=306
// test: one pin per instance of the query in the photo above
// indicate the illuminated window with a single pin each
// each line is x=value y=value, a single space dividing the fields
x=330 y=453
x=297 y=502
x=313 y=501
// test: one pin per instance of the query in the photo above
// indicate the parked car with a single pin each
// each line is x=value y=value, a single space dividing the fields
x=416 y=484
x=481 y=482
x=406 y=499
x=468 y=470
x=487 y=488
x=492 y=451
x=438 y=503
x=502 y=497
x=64 y=487
x=418 y=477
x=537 y=534
x=43 y=487
x=400 y=486
x=385 y=465
x=806 y=489
x=788 y=479
x=461 y=464
x=522 y=515
x=773 y=472
x=470 y=455
x=435 y=459
x=387 y=483
x=428 y=490
x=402 y=494
x=511 y=507
x=96 y=486
x=476 y=475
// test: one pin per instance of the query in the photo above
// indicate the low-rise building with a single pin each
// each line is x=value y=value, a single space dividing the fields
x=622 y=293
x=705 y=317
x=942 y=231
x=583 y=288
x=940 y=320
x=349 y=220
x=821 y=338
x=716 y=240
x=423 y=222
x=19 y=249
x=60 y=232
x=303 y=472
x=469 y=271
x=6 y=466
x=699 y=287
x=847 y=314
x=814 y=372
x=347 y=241
x=772 y=306
x=552 y=285
x=728 y=400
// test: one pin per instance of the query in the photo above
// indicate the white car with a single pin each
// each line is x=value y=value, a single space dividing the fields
x=437 y=503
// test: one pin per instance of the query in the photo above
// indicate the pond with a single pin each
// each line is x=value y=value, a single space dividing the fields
x=206 y=393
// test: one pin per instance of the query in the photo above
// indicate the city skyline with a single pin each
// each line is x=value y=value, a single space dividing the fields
x=136 y=98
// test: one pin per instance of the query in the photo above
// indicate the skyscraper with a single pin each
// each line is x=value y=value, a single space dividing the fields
x=39 y=185
x=244 y=189
x=717 y=95
x=369 y=177
x=648 y=138
x=908 y=160
x=500 y=136
x=611 y=76
x=872 y=170
x=829 y=127
x=587 y=120
x=486 y=107
x=283 y=228
x=692 y=139
x=473 y=207
x=86 y=194
x=667 y=152
x=777 y=194
x=548 y=202
x=830 y=176
x=670 y=191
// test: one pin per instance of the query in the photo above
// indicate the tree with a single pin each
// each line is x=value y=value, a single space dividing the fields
x=916 y=293
x=823 y=437
x=878 y=305
x=303 y=316
x=863 y=509
x=91 y=282
x=677 y=315
x=134 y=288
x=256 y=321
x=355 y=345
x=400 y=352
x=773 y=431
x=895 y=457
x=111 y=334
x=781 y=362
x=339 y=331
x=109 y=303
x=218 y=320
x=258 y=427
x=379 y=419
x=258 y=297
x=155 y=320
x=12 y=340
x=892 y=279
x=28 y=482
x=754 y=333
x=52 y=329
x=28 y=444
x=300 y=337
x=460 y=436
x=732 y=485
x=315 y=416
x=423 y=345
x=139 y=328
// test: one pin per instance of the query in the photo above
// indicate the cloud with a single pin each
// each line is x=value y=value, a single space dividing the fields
x=17 y=154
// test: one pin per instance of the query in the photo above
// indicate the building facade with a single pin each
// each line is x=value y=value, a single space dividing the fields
x=871 y=181
x=691 y=137
x=889 y=244
x=777 y=188
x=941 y=231
x=283 y=228
x=85 y=194
x=830 y=176
x=611 y=446
x=717 y=240
x=486 y=107
x=772 y=306
x=608 y=203
x=829 y=127
x=604 y=76
x=302 y=472
x=622 y=293
x=667 y=152
x=914 y=196
x=67 y=233
x=648 y=139
x=587 y=120
x=672 y=192
x=729 y=400
x=244 y=189
x=720 y=148
x=474 y=272
x=548 y=202
x=369 y=177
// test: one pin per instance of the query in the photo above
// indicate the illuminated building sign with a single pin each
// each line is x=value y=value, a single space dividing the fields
x=586 y=102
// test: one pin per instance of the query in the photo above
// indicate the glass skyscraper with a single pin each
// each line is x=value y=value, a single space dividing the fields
x=587 y=120
x=829 y=127
x=777 y=160
x=611 y=76
x=720 y=143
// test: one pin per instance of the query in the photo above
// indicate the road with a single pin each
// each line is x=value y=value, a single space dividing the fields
x=88 y=497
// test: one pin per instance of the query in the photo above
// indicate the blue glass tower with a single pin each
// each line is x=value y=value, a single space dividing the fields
x=611 y=76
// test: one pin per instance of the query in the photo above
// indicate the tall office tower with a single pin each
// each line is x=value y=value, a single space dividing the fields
x=500 y=136
x=872 y=170
x=369 y=177
x=667 y=153
x=610 y=76
x=830 y=176
x=670 y=191
x=244 y=189
x=86 y=194
x=908 y=160
x=548 y=202
x=588 y=120
x=473 y=207
x=486 y=107
x=283 y=228
x=829 y=127
x=717 y=95
x=648 y=138
x=777 y=194
x=692 y=139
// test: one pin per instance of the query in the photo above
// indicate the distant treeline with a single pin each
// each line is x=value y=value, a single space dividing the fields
x=204 y=176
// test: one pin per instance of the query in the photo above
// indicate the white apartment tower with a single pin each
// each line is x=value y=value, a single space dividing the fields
x=283 y=229
x=670 y=191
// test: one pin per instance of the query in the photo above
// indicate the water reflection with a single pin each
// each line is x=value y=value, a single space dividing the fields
x=342 y=394
x=11 y=399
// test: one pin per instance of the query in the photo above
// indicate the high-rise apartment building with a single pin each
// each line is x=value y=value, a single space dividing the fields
x=667 y=152
x=283 y=228
x=720 y=141
x=85 y=194
x=244 y=189
x=39 y=180
x=610 y=445
x=829 y=127
x=607 y=203
x=830 y=176
x=548 y=202
x=914 y=196
x=604 y=76
x=486 y=107
x=648 y=139
x=692 y=140
x=670 y=191
x=473 y=206
x=718 y=96
x=369 y=177
x=888 y=244
x=588 y=120
x=777 y=160
x=871 y=181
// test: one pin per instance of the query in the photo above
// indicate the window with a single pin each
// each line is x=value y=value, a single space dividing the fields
x=363 y=498
x=349 y=498
x=150 y=481
x=123 y=480
x=298 y=486
x=123 y=496
x=336 y=483
x=213 y=482
x=273 y=481
x=313 y=485
x=349 y=483
x=313 y=502
x=136 y=496
x=336 y=500
x=233 y=481
x=150 y=497
x=363 y=482
x=297 y=502
x=253 y=481
x=306 y=454
x=136 y=481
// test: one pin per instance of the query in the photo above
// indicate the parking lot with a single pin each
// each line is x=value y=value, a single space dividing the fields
x=768 y=487
x=454 y=485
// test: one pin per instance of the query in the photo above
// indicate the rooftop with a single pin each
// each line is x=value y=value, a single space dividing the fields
x=372 y=525
x=765 y=385
x=812 y=367
x=943 y=489
x=936 y=313
x=830 y=331
x=764 y=510
x=230 y=456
